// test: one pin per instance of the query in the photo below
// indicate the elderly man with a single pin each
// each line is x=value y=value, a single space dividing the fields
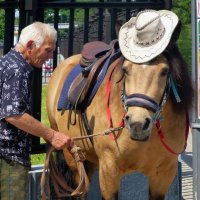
x=36 y=45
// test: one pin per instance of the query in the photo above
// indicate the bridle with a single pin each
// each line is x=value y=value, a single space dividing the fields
x=142 y=100
x=136 y=99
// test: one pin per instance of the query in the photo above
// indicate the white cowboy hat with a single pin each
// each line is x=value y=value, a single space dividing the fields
x=147 y=35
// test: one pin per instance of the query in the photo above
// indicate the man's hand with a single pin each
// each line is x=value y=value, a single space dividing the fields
x=31 y=125
x=60 y=140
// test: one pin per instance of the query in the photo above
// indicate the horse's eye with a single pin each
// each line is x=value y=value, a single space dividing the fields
x=125 y=70
x=164 y=72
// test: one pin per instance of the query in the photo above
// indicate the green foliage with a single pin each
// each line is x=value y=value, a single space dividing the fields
x=185 y=44
x=64 y=17
x=38 y=159
x=183 y=9
x=2 y=24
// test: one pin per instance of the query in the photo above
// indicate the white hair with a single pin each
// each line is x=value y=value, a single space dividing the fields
x=37 y=32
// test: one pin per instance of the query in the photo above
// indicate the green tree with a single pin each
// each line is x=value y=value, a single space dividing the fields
x=183 y=9
x=2 y=24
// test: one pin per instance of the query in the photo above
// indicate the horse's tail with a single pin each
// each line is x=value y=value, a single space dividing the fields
x=65 y=169
x=66 y=173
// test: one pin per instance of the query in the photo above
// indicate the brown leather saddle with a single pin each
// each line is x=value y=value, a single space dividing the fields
x=95 y=60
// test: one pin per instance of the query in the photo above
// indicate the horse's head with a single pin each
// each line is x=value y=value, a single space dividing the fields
x=144 y=89
x=153 y=70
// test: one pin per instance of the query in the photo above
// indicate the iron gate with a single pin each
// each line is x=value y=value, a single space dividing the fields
x=97 y=22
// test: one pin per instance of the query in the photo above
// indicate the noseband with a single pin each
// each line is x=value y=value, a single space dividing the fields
x=144 y=101
x=141 y=100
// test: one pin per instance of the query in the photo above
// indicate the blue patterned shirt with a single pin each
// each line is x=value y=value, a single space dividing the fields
x=15 y=99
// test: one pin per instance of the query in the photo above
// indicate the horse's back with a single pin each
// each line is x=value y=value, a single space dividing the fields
x=55 y=86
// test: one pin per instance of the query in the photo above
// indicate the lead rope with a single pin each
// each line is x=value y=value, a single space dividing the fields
x=60 y=186
x=112 y=134
x=161 y=135
x=156 y=118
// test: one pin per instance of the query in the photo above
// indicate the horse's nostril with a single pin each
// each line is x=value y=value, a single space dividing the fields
x=146 y=124
x=127 y=117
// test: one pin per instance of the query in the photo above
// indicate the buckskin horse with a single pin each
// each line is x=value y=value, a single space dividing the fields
x=150 y=102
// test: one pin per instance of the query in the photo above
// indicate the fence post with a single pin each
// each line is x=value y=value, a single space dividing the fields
x=9 y=26
x=107 y=34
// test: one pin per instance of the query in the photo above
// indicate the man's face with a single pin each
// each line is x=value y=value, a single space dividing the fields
x=38 y=56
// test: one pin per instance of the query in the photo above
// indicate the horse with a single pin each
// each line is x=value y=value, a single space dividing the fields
x=154 y=133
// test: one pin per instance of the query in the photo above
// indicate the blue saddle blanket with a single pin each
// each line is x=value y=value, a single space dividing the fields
x=65 y=104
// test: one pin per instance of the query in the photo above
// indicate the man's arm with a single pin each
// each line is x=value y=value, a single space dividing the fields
x=31 y=125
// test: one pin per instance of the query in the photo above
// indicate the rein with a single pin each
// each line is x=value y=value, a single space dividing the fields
x=60 y=186
x=51 y=171
x=62 y=189
x=161 y=134
x=121 y=124
x=144 y=101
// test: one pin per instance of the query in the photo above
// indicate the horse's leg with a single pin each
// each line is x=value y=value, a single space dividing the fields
x=160 y=182
x=109 y=179
x=115 y=197
x=90 y=168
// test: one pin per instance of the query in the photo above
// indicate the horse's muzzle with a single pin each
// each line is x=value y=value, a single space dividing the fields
x=139 y=130
x=138 y=138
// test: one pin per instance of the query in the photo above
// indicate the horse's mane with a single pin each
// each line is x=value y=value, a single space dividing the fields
x=182 y=78
x=180 y=72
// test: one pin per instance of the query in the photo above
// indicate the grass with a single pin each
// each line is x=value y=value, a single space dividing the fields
x=40 y=158
x=44 y=117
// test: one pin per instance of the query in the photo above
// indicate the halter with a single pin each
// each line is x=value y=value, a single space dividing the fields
x=141 y=100
x=144 y=101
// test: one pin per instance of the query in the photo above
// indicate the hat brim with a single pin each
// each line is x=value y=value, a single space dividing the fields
x=140 y=54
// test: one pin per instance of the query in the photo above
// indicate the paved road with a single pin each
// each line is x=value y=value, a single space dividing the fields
x=187 y=171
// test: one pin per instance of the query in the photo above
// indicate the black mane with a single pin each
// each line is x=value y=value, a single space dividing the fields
x=182 y=78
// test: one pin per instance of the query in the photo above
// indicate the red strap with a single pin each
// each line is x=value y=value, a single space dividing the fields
x=107 y=100
x=161 y=134
x=121 y=124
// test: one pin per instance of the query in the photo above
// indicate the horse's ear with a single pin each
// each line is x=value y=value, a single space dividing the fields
x=174 y=37
x=176 y=32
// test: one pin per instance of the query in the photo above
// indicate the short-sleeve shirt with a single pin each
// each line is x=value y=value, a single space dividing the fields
x=15 y=99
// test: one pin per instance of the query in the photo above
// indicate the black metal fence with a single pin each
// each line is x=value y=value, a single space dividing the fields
x=85 y=21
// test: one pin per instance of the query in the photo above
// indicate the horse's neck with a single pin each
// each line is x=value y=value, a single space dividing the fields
x=171 y=112
x=173 y=122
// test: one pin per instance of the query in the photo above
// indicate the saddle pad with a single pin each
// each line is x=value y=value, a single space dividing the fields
x=64 y=103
